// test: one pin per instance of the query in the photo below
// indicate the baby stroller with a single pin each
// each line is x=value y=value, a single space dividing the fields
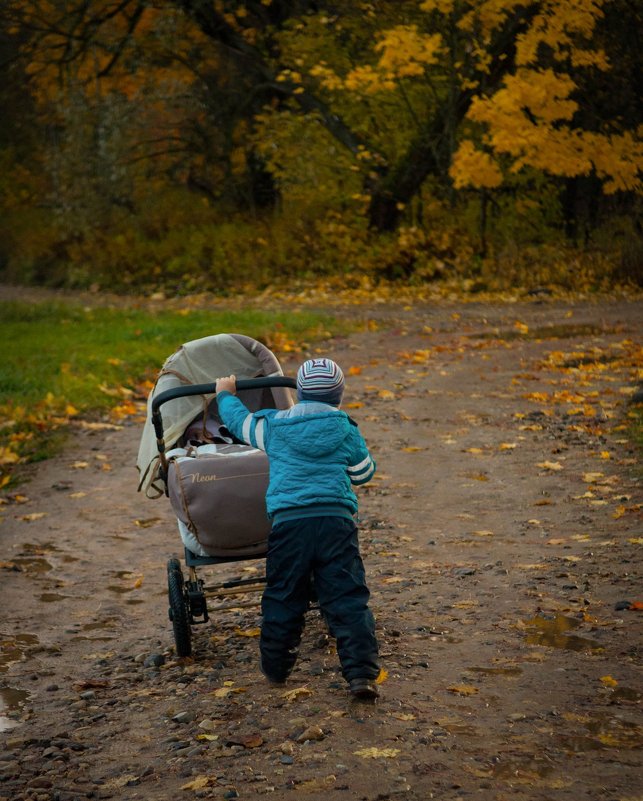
x=216 y=484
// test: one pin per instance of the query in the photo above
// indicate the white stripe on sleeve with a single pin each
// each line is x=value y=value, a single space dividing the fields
x=245 y=429
x=358 y=468
x=259 y=433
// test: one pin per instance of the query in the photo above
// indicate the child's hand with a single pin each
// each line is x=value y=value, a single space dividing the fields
x=227 y=384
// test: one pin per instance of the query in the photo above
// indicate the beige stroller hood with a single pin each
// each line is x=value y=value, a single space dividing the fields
x=201 y=361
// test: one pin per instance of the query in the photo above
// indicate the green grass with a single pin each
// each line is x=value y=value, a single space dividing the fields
x=57 y=354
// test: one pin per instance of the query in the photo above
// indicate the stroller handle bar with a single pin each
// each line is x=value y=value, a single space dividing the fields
x=206 y=389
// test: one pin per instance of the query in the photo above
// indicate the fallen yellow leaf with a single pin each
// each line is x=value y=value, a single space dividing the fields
x=7 y=456
x=199 y=783
x=33 y=516
x=591 y=478
x=550 y=465
x=315 y=785
x=463 y=689
x=247 y=632
x=608 y=681
x=377 y=753
x=150 y=521
x=382 y=676
x=297 y=692
x=223 y=692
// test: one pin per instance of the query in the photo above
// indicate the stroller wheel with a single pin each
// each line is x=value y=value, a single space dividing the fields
x=178 y=612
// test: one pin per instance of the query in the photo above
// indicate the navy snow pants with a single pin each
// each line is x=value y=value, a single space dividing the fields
x=326 y=549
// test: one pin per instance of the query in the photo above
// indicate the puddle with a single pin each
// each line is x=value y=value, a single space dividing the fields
x=51 y=597
x=12 y=648
x=563 y=331
x=82 y=637
x=553 y=632
x=38 y=549
x=522 y=771
x=124 y=574
x=134 y=601
x=497 y=671
x=604 y=731
x=626 y=694
x=460 y=728
x=11 y=700
x=103 y=624
x=32 y=564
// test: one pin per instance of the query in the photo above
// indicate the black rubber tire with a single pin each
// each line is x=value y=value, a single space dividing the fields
x=179 y=613
x=173 y=564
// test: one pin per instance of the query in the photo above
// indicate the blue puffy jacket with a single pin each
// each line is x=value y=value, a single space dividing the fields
x=315 y=451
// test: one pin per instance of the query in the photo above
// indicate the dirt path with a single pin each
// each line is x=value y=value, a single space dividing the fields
x=501 y=539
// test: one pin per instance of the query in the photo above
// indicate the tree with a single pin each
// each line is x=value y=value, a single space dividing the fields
x=451 y=93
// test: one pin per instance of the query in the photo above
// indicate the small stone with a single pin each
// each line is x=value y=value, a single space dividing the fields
x=88 y=695
x=208 y=725
x=286 y=760
x=311 y=733
x=40 y=782
x=286 y=748
x=11 y=768
x=15 y=742
x=183 y=717
x=231 y=793
x=154 y=660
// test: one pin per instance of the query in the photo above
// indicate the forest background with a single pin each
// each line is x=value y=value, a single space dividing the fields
x=191 y=146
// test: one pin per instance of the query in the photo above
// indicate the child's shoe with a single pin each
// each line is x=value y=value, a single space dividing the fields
x=364 y=689
x=274 y=681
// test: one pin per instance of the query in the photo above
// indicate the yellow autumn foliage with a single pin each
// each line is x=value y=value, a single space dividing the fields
x=473 y=167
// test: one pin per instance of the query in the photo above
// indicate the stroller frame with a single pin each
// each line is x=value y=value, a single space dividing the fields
x=188 y=598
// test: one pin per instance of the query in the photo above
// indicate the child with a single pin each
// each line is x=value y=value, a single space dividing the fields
x=315 y=452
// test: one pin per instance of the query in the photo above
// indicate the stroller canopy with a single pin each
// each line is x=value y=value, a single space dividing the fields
x=201 y=361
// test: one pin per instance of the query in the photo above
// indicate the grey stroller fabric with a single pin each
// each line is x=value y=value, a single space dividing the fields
x=202 y=361
x=217 y=487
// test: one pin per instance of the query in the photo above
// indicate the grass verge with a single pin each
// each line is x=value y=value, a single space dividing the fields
x=63 y=362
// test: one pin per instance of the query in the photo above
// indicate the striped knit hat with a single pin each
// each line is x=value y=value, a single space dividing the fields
x=320 y=380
